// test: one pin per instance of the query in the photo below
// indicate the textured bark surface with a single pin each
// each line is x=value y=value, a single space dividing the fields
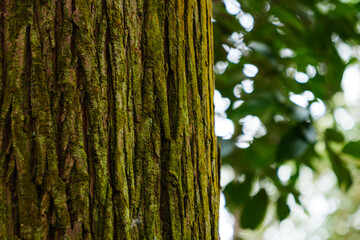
x=107 y=120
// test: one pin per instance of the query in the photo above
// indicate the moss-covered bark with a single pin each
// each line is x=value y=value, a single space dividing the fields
x=106 y=120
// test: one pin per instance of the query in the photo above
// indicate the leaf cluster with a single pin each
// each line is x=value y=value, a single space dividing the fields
x=312 y=30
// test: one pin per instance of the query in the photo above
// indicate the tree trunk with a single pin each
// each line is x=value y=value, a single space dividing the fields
x=107 y=120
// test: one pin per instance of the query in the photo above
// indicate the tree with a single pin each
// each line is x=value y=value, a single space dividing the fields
x=107 y=120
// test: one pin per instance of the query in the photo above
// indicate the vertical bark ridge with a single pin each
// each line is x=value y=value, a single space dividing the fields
x=5 y=126
x=3 y=72
x=133 y=11
x=154 y=101
x=94 y=102
x=106 y=120
x=117 y=94
x=23 y=194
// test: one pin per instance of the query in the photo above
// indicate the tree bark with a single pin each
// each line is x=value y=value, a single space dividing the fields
x=107 y=120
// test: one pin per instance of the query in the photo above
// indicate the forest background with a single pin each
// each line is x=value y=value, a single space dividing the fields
x=287 y=117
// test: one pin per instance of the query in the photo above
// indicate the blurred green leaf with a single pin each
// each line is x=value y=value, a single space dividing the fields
x=353 y=149
x=237 y=193
x=282 y=209
x=255 y=210
x=295 y=142
x=341 y=171
x=334 y=135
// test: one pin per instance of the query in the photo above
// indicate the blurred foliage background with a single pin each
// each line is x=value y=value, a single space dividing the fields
x=287 y=117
